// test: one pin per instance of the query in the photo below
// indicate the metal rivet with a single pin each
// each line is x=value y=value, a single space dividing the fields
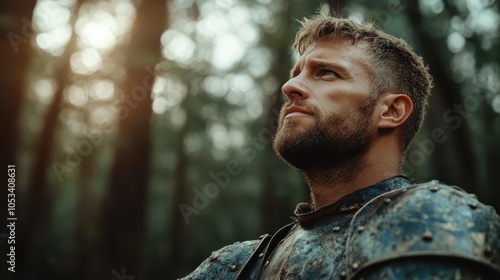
x=427 y=236
x=472 y=204
x=387 y=200
x=336 y=229
x=233 y=268
x=434 y=189
x=360 y=229
x=267 y=263
x=213 y=257
x=355 y=266
x=343 y=275
x=261 y=255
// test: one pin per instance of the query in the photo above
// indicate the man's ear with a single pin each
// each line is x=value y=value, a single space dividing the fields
x=395 y=109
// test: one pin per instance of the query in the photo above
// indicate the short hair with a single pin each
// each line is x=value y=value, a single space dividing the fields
x=394 y=64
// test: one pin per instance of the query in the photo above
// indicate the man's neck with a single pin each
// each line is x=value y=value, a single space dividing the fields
x=329 y=185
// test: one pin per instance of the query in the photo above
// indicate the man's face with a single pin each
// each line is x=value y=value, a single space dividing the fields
x=328 y=119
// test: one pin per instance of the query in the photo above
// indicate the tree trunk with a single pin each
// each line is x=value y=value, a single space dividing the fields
x=465 y=173
x=15 y=53
x=84 y=215
x=36 y=219
x=123 y=214
x=180 y=185
x=491 y=195
x=273 y=210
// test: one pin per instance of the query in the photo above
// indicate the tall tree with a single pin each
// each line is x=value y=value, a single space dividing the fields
x=465 y=175
x=83 y=214
x=38 y=205
x=122 y=219
x=15 y=53
x=272 y=210
x=180 y=185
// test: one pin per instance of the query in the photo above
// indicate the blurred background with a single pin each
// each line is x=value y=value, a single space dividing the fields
x=141 y=130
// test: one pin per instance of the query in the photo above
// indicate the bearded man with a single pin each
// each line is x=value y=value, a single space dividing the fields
x=356 y=99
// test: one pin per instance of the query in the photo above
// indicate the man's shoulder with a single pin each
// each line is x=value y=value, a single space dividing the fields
x=224 y=263
x=431 y=204
x=434 y=197
x=429 y=219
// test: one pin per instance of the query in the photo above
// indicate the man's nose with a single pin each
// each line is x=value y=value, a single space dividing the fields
x=294 y=89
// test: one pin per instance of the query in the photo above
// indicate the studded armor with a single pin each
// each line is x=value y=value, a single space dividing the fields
x=391 y=230
x=426 y=231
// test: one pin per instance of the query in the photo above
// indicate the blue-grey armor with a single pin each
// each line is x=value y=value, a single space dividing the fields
x=391 y=230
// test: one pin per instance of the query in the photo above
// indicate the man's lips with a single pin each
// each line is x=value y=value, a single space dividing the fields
x=295 y=111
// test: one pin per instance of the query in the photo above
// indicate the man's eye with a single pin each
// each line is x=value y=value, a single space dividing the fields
x=326 y=72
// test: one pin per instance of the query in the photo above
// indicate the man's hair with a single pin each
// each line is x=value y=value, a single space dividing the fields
x=394 y=64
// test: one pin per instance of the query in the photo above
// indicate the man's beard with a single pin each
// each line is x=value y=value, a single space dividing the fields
x=332 y=141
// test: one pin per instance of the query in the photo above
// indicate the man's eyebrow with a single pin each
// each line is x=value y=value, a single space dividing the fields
x=320 y=63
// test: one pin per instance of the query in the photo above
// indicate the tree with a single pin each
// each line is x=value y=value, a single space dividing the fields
x=450 y=93
x=15 y=53
x=123 y=213
x=38 y=206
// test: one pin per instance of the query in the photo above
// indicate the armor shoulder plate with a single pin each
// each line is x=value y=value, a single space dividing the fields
x=430 y=223
x=224 y=263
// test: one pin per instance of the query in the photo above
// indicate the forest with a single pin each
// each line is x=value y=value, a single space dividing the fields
x=137 y=133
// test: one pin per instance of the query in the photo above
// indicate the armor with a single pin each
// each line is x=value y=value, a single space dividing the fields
x=402 y=230
x=391 y=230
x=224 y=263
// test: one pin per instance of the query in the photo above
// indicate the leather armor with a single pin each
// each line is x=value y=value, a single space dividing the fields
x=391 y=230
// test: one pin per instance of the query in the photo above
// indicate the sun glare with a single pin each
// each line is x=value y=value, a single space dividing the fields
x=51 y=22
x=98 y=33
x=86 y=61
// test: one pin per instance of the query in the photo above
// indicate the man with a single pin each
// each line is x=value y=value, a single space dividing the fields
x=356 y=99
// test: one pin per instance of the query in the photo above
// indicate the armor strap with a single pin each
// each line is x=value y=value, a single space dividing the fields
x=262 y=253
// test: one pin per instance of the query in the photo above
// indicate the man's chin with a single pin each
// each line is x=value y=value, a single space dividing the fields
x=292 y=162
x=297 y=125
x=297 y=158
